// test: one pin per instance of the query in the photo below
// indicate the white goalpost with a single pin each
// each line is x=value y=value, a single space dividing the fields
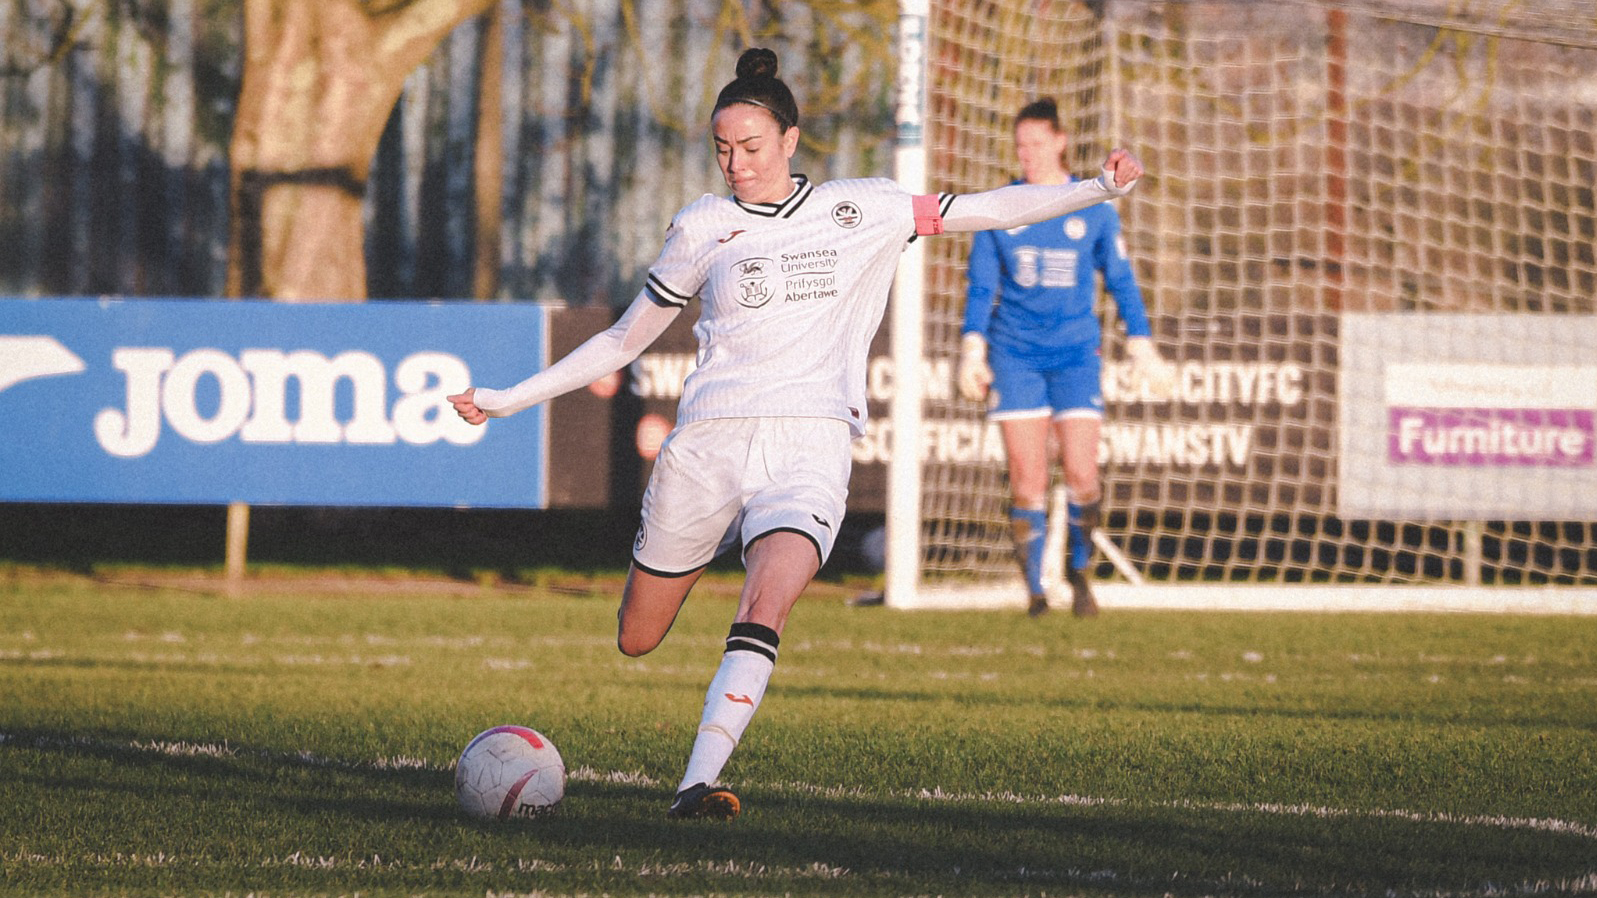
x=907 y=321
x=1372 y=261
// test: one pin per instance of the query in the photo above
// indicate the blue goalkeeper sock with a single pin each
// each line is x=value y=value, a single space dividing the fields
x=1028 y=526
x=1078 y=529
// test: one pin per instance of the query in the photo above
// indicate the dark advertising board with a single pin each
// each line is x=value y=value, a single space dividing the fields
x=1249 y=426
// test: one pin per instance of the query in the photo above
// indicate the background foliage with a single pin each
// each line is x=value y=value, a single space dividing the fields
x=115 y=117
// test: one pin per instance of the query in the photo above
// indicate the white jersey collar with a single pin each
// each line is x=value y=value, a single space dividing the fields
x=785 y=209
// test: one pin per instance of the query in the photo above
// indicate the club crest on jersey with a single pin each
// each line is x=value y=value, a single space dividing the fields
x=753 y=289
x=846 y=214
x=1075 y=228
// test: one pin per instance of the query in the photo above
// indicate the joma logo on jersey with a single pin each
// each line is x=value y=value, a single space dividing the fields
x=753 y=291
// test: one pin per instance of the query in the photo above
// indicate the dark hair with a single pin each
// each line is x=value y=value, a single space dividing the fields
x=1043 y=110
x=756 y=84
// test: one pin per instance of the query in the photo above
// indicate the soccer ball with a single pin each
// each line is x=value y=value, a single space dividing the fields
x=509 y=771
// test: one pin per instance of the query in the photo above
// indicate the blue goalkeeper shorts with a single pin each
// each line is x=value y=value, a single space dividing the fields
x=1022 y=389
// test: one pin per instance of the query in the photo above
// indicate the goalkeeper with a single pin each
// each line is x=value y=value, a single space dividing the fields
x=1030 y=348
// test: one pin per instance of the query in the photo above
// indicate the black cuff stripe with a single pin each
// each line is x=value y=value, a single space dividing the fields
x=665 y=294
x=749 y=645
x=752 y=630
x=756 y=638
x=667 y=574
x=819 y=555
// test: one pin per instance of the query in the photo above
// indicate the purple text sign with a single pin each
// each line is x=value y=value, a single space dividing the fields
x=1491 y=437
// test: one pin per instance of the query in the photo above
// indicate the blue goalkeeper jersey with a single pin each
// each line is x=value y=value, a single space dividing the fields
x=1032 y=289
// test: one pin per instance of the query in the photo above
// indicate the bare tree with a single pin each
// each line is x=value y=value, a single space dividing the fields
x=488 y=164
x=320 y=79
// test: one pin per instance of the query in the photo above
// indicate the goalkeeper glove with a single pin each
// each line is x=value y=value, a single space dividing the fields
x=1150 y=369
x=974 y=376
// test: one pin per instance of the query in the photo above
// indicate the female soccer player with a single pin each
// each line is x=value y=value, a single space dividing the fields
x=1031 y=334
x=793 y=277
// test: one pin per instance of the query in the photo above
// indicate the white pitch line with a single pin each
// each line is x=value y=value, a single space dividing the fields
x=934 y=793
x=1495 y=821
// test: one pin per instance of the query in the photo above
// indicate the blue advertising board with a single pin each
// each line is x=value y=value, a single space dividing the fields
x=213 y=401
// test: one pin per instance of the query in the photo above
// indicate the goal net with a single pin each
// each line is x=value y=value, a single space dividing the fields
x=1367 y=241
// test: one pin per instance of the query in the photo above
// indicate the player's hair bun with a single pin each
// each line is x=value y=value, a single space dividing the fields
x=757 y=85
x=757 y=63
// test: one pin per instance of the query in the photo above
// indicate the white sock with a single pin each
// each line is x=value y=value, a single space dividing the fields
x=730 y=701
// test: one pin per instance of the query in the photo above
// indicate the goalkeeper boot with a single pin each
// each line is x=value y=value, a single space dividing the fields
x=1082 y=603
x=1038 y=606
x=704 y=802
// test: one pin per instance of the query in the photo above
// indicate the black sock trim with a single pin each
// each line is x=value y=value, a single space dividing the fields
x=756 y=638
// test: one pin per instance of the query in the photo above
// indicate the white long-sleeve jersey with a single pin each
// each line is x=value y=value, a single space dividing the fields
x=793 y=293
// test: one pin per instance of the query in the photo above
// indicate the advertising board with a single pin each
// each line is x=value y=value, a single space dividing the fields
x=211 y=401
x=1469 y=417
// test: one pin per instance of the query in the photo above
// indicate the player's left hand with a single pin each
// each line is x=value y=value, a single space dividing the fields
x=973 y=375
x=466 y=406
x=1157 y=376
x=1122 y=168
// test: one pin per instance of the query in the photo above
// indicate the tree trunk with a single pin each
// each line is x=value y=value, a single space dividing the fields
x=488 y=162
x=320 y=80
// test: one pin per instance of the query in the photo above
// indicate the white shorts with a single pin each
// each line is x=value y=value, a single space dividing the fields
x=723 y=480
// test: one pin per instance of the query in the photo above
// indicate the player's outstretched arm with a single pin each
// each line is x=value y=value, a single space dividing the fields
x=1024 y=204
x=605 y=352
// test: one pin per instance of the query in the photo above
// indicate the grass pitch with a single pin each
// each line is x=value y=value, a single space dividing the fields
x=162 y=742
